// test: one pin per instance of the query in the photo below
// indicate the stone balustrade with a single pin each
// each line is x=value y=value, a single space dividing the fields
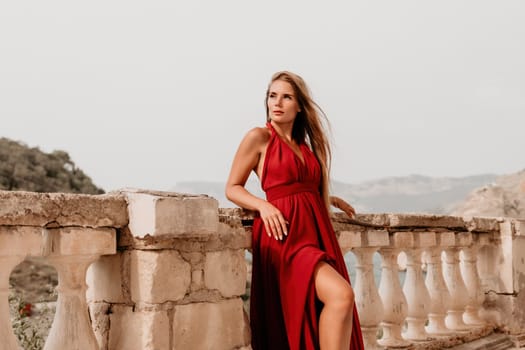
x=473 y=280
x=158 y=270
x=69 y=232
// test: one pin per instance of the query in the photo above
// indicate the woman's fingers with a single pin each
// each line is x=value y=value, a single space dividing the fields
x=350 y=211
x=276 y=229
x=284 y=225
x=274 y=221
x=276 y=226
x=267 y=228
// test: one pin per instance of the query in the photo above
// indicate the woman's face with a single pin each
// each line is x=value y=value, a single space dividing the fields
x=282 y=102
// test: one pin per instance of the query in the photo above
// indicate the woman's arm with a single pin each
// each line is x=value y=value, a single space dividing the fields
x=343 y=205
x=246 y=159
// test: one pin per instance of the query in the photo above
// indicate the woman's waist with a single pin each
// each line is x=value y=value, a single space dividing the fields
x=288 y=189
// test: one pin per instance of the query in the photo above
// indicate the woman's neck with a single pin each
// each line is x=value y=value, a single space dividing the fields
x=284 y=130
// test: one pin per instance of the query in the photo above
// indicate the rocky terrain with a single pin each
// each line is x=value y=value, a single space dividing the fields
x=505 y=196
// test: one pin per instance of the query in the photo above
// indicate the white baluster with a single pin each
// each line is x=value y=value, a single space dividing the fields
x=457 y=289
x=71 y=327
x=394 y=301
x=367 y=299
x=470 y=275
x=8 y=340
x=417 y=297
x=439 y=294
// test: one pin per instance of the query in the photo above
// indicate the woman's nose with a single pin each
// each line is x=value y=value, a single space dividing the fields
x=278 y=101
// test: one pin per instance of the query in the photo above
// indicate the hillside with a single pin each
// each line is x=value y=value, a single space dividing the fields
x=29 y=169
x=503 y=197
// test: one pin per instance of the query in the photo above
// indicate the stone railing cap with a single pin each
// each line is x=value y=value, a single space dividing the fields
x=62 y=209
x=397 y=221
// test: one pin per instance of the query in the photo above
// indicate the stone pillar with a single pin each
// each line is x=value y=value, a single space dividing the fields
x=414 y=287
x=394 y=301
x=16 y=242
x=501 y=266
x=67 y=251
x=364 y=242
x=455 y=284
x=8 y=339
x=470 y=275
x=439 y=294
x=71 y=327
x=367 y=298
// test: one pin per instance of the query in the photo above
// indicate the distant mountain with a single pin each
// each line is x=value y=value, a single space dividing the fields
x=503 y=197
x=410 y=194
x=414 y=193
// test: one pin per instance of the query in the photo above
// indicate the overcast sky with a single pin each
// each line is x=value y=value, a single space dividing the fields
x=149 y=93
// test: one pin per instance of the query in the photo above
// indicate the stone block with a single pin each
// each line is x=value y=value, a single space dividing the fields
x=505 y=265
x=481 y=224
x=445 y=239
x=104 y=280
x=518 y=266
x=349 y=239
x=373 y=219
x=20 y=240
x=402 y=239
x=505 y=228
x=99 y=315
x=463 y=239
x=421 y=220
x=138 y=330
x=196 y=259
x=226 y=271
x=489 y=268
x=376 y=238
x=197 y=280
x=233 y=238
x=235 y=216
x=481 y=238
x=165 y=213
x=505 y=311
x=519 y=227
x=158 y=276
x=424 y=239
x=62 y=209
x=217 y=326
x=72 y=241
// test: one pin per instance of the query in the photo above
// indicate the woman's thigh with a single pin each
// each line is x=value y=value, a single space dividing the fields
x=330 y=286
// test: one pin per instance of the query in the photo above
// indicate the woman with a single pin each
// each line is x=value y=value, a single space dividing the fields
x=301 y=296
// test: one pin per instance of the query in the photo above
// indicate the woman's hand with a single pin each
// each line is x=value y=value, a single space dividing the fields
x=343 y=205
x=273 y=220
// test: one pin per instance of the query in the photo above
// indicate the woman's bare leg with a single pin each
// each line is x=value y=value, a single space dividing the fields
x=335 y=322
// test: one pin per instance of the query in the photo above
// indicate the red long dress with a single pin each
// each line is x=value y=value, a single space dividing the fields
x=284 y=309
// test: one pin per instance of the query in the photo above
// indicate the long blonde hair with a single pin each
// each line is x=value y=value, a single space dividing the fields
x=308 y=127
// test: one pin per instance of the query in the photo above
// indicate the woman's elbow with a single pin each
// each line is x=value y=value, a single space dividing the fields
x=228 y=191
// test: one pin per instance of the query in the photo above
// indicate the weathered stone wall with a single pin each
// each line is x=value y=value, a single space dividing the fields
x=176 y=281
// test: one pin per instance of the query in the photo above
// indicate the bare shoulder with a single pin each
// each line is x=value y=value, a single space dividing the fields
x=258 y=136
